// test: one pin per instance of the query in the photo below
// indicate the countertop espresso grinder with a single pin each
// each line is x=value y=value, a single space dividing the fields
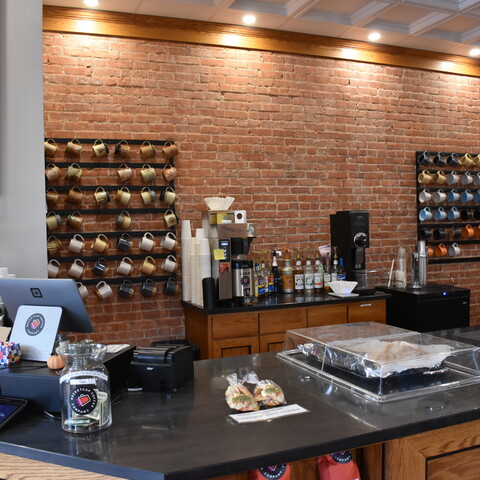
x=229 y=245
x=349 y=232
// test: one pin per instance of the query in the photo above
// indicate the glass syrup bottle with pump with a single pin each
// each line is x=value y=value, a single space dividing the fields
x=334 y=270
x=298 y=276
x=327 y=277
x=287 y=274
x=308 y=277
x=318 y=276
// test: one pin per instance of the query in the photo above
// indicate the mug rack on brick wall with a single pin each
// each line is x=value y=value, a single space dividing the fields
x=100 y=173
x=448 y=185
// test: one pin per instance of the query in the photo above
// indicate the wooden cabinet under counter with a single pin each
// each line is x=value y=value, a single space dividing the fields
x=327 y=315
x=247 y=330
x=367 y=312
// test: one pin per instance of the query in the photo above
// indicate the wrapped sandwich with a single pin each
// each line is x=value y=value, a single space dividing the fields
x=238 y=397
x=267 y=393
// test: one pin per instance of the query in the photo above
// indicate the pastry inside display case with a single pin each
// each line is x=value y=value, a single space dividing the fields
x=381 y=362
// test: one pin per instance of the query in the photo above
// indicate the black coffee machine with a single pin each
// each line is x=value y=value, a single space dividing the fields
x=349 y=232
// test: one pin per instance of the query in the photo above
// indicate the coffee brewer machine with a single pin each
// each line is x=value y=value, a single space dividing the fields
x=229 y=245
x=349 y=232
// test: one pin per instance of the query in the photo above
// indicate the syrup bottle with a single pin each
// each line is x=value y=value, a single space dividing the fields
x=287 y=274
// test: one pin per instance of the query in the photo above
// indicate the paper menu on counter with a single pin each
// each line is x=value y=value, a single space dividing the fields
x=265 y=415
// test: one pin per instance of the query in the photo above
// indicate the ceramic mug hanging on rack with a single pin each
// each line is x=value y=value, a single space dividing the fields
x=169 y=151
x=147 y=150
x=73 y=148
x=100 y=148
x=52 y=172
x=50 y=147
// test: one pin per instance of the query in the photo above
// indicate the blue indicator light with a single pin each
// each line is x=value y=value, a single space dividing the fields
x=444 y=293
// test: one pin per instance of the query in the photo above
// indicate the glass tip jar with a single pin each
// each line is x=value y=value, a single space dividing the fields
x=85 y=388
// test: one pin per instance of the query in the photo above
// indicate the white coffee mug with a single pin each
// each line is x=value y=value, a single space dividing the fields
x=168 y=241
x=454 y=250
x=439 y=196
x=453 y=178
x=125 y=266
x=77 y=269
x=77 y=244
x=147 y=242
x=53 y=268
x=424 y=196
x=466 y=179
x=103 y=290
x=170 y=264
x=82 y=290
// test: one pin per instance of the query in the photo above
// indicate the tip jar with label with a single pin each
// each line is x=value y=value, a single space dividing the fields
x=85 y=388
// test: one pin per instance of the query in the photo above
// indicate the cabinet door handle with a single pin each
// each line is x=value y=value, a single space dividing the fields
x=365 y=305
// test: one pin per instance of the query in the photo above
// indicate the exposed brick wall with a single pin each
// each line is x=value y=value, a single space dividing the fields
x=292 y=138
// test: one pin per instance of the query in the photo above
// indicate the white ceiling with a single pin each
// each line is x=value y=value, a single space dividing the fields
x=448 y=26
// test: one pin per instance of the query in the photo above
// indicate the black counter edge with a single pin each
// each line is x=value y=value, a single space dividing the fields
x=243 y=465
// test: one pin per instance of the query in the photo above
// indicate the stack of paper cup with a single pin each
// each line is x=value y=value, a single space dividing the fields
x=196 y=282
x=204 y=266
x=186 y=271
x=193 y=271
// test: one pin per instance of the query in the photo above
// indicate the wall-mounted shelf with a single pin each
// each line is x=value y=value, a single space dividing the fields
x=89 y=182
x=446 y=205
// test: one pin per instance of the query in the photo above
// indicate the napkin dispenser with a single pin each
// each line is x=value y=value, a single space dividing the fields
x=163 y=367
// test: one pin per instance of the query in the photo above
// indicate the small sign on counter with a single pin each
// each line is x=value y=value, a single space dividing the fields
x=265 y=415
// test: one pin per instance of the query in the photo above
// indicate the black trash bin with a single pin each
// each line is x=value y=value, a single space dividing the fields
x=182 y=341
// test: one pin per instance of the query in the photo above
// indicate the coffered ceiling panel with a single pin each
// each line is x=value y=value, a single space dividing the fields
x=449 y=26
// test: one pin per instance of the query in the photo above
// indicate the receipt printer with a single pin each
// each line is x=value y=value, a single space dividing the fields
x=163 y=367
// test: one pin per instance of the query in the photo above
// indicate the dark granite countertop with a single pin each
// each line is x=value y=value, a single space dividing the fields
x=286 y=300
x=188 y=435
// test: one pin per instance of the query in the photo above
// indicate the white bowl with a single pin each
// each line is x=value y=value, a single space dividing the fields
x=342 y=286
x=219 y=203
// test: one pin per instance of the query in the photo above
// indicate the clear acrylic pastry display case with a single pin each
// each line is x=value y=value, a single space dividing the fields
x=381 y=362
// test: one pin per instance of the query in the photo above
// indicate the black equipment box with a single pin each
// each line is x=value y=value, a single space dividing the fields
x=428 y=308
x=163 y=367
x=35 y=382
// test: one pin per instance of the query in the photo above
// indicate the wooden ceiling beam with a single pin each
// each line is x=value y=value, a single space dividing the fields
x=114 y=24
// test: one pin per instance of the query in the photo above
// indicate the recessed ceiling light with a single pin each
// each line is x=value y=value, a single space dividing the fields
x=249 y=19
x=374 y=36
x=474 y=52
x=91 y=3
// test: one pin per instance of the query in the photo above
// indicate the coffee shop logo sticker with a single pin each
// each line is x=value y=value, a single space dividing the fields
x=83 y=400
x=35 y=324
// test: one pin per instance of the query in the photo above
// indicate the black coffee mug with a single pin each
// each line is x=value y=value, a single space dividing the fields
x=424 y=159
x=439 y=234
x=170 y=286
x=452 y=160
x=425 y=233
x=125 y=290
x=466 y=214
x=148 y=288
x=100 y=267
x=456 y=232
x=476 y=213
x=124 y=242
x=439 y=160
